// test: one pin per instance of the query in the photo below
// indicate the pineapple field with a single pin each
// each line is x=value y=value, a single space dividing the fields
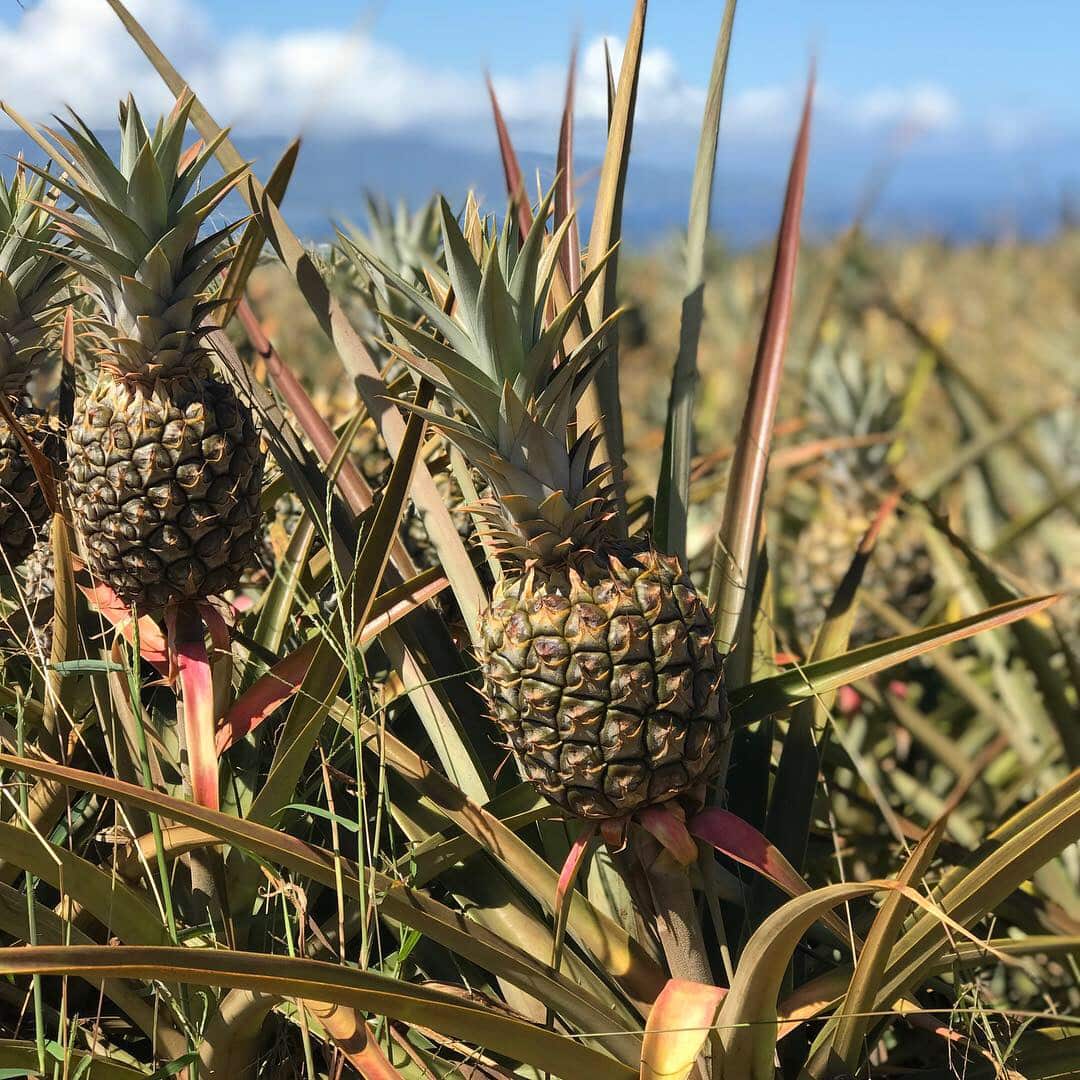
x=475 y=649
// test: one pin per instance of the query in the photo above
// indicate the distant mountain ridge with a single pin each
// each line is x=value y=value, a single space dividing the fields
x=960 y=193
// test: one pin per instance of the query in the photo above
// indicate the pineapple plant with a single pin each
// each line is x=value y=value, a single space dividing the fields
x=597 y=652
x=408 y=241
x=31 y=276
x=164 y=465
x=849 y=397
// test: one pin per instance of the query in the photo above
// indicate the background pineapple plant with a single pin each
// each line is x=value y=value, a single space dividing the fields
x=32 y=275
x=367 y=889
x=832 y=504
x=409 y=242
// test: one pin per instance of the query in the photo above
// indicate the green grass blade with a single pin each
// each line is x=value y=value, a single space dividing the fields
x=398 y=902
x=327 y=671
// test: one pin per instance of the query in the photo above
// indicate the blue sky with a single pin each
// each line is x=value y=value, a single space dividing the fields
x=994 y=59
x=994 y=54
x=983 y=98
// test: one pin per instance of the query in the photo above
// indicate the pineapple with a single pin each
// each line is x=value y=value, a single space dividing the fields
x=36 y=591
x=597 y=652
x=849 y=397
x=164 y=467
x=31 y=275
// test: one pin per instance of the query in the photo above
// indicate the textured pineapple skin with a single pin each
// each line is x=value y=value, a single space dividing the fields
x=900 y=568
x=23 y=509
x=165 y=488
x=605 y=677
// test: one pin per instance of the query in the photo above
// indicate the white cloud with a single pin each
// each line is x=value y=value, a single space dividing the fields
x=924 y=107
x=75 y=51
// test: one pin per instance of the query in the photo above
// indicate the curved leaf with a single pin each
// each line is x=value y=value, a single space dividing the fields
x=767 y=696
x=679 y=1023
x=318 y=981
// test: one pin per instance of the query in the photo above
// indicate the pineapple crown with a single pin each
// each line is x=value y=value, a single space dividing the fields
x=492 y=343
x=406 y=241
x=410 y=242
x=31 y=274
x=850 y=395
x=137 y=232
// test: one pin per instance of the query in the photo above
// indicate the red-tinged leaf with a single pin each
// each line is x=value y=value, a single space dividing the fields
x=287 y=675
x=396 y=603
x=186 y=631
x=729 y=579
x=515 y=183
x=739 y=840
x=679 y=1023
x=261 y=698
x=220 y=633
x=568 y=876
x=570 y=252
x=152 y=645
x=671 y=831
x=791 y=457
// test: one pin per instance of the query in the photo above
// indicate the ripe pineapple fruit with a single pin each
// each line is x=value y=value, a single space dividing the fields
x=849 y=397
x=31 y=275
x=164 y=467
x=598 y=653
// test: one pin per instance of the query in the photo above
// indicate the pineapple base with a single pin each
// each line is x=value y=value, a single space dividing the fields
x=165 y=488
x=604 y=674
